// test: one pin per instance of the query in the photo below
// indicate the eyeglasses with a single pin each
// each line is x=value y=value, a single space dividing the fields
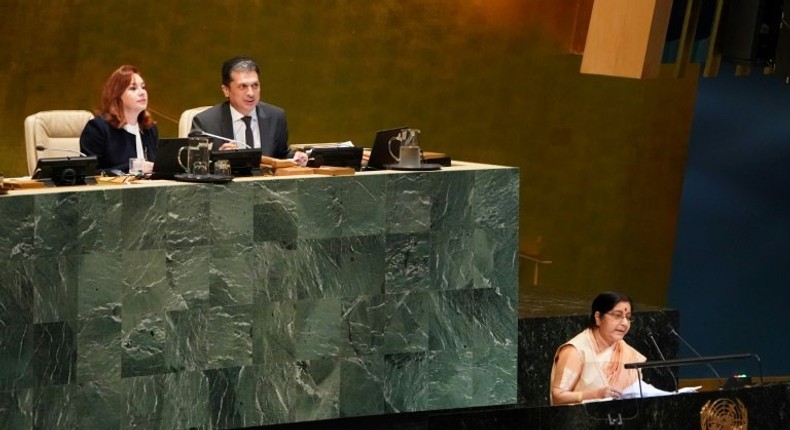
x=619 y=316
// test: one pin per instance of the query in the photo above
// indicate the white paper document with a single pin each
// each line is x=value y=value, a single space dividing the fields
x=648 y=390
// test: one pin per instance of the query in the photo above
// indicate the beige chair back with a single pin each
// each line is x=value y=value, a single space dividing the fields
x=56 y=130
x=185 y=122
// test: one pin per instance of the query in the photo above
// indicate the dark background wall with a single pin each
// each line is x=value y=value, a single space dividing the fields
x=731 y=269
x=602 y=159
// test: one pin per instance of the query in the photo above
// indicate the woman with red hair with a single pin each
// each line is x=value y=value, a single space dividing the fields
x=123 y=128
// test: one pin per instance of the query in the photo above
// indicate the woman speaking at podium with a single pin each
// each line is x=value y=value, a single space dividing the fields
x=590 y=365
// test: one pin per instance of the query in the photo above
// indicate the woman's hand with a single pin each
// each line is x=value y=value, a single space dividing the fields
x=609 y=392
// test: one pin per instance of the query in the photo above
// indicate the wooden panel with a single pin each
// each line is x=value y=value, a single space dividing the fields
x=626 y=38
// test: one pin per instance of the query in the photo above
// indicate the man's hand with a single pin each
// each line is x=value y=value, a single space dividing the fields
x=300 y=158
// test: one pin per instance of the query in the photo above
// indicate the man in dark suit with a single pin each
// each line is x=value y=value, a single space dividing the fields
x=243 y=117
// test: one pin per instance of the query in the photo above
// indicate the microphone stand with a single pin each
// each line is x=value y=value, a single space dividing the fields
x=688 y=345
x=200 y=133
x=70 y=151
x=660 y=354
x=696 y=360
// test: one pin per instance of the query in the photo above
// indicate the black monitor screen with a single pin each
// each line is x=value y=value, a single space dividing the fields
x=343 y=156
x=243 y=162
x=62 y=171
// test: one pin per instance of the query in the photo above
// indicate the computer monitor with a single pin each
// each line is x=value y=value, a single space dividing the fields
x=64 y=171
x=340 y=156
x=243 y=162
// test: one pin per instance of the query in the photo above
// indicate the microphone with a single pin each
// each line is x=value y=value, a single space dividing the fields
x=710 y=366
x=201 y=133
x=661 y=354
x=70 y=151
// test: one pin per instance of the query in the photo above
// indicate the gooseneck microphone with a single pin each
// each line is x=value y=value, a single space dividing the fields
x=661 y=354
x=200 y=133
x=710 y=366
x=70 y=151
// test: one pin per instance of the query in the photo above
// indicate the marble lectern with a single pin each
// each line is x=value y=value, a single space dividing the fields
x=257 y=302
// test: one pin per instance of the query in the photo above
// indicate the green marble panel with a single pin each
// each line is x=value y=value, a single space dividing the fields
x=16 y=230
x=142 y=401
x=275 y=217
x=407 y=263
x=55 y=287
x=279 y=272
x=230 y=332
x=495 y=199
x=340 y=206
x=187 y=341
x=144 y=218
x=301 y=330
x=494 y=375
x=451 y=193
x=452 y=259
x=99 y=349
x=496 y=259
x=451 y=380
x=363 y=386
x=188 y=274
x=362 y=201
x=386 y=324
x=16 y=407
x=314 y=387
x=260 y=302
x=100 y=280
x=231 y=214
x=57 y=216
x=100 y=221
x=274 y=337
x=55 y=353
x=453 y=325
x=316 y=328
x=224 y=399
x=56 y=406
x=17 y=349
x=233 y=276
x=187 y=223
x=143 y=345
x=145 y=287
x=409 y=202
x=100 y=405
x=16 y=293
x=340 y=267
x=406 y=380
x=480 y=375
x=267 y=395
x=185 y=398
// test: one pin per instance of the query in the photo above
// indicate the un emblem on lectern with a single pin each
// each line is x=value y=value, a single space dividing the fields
x=724 y=414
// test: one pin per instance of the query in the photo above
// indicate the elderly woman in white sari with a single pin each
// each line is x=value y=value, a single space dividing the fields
x=591 y=364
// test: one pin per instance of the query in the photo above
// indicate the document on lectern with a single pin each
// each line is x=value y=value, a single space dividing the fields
x=648 y=390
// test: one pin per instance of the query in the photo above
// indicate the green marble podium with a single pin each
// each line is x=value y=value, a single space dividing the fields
x=258 y=302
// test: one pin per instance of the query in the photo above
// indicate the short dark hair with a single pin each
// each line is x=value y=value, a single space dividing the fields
x=238 y=64
x=605 y=302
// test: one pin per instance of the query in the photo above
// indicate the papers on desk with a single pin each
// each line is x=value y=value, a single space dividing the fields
x=648 y=390
x=309 y=146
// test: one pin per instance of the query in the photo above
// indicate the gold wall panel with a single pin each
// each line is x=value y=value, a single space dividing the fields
x=492 y=81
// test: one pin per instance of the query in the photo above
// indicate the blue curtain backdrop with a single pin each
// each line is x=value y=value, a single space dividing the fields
x=731 y=266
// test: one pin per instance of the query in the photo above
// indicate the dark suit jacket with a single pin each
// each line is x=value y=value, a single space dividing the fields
x=113 y=147
x=271 y=120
